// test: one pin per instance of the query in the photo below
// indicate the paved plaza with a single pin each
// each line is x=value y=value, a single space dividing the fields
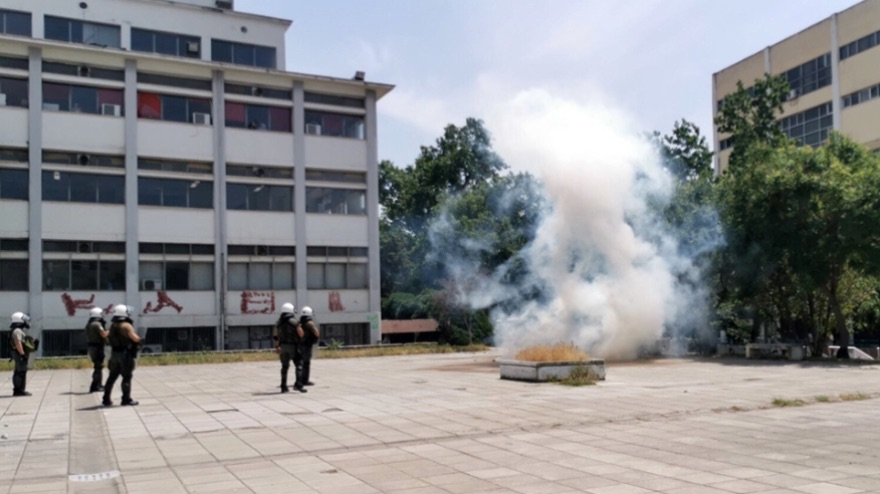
x=443 y=424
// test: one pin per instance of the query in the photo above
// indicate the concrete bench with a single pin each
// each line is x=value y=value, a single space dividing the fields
x=791 y=351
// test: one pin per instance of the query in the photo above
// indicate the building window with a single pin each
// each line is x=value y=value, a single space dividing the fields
x=259 y=91
x=13 y=274
x=13 y=92
x=79 y=275
x=810 y=127
x=334 y=124
x=726 y=143
x=243 y=54
x=336 y=176
x=17 y=23
x=14 y=63
x=83 y=246
x=261 y=275
x=177 y=45
x=176 y=275
x=83 y=187
x=862 y=96
x=176 y=249
x=201 y=339
x=262 y=250
x=14 y=155
x=84 y=159
x=337 y=276
x=175 y=193
x=336 y=201
x=174 y=108
x=84 y=71
x=85 y=99
x=347 y=334
x=249 y=337
x=257 y=117
x=13 y=184
x=809 y=76
x=259 y=171
x=175 y=166
x=860 y=45
x=88 y=33
x=173 y=81
x=321 y=251
x=251 y=197
x=331 y=99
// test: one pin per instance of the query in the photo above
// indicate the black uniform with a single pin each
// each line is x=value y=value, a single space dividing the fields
x=309 y=340
x=96 y=344
x=122 y=361
x=19 y=375
x=287 y=342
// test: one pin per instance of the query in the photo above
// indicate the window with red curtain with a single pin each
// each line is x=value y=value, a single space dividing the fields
x=149 y=106
x=235 y=115
x=279 y=119
x=110 y=97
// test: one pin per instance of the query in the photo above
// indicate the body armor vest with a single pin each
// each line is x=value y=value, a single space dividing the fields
x=93 y=332
x=287 y=331
x=116 y=337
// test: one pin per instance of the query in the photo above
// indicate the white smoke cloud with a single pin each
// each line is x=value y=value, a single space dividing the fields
x=610 y=278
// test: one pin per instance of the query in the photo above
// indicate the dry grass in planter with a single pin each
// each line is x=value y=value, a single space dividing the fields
x=560 y=352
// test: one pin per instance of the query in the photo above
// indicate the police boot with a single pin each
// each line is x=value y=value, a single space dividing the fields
x=126 y=396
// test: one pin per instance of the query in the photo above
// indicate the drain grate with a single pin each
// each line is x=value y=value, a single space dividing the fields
x=94 y=477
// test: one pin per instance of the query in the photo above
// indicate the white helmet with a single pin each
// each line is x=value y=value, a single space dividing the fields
x=287 y=308
x=20 y=318
x=96 y=312
x=307 y=311
x=121 y=311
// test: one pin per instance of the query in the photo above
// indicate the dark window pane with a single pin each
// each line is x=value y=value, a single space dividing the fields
x=56 y=186
x=141 y=40
x=279 y=119
x=202 y=250
x=258 y=117
x=84 y=275
x=242 y=54
x=149 y=191
x=265 y=57
x=83 y=188
x=258 y=198
x=337 y=251
x=14 y=275
x=166 y=44
x=281 y=250
x=76 y=31
x=202 y=195
x=182 y=249
x=221 y=51
x=112 y=276
x=56 y=275
x=56 y=96
x=14 y=245
x=281 y=198
x=177 y=275
x=358 y=252
x=14 y=63
x=84 y=99
x=18 y=23
x=236 y=196
x=174 y=193
x=13 y=184
x=174 y=108
x=111 y=189
x=57 y=29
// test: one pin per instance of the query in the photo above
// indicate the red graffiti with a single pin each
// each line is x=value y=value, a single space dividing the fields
x=163 y=301
x=334 y=300
x=257 y=302
x=72 y=305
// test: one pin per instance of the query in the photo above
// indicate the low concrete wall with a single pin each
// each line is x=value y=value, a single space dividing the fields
x=519 y=370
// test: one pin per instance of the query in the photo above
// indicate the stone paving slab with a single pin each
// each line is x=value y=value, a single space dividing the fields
x=447 y=424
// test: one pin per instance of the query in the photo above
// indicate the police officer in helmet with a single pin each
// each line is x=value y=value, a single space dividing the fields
x=20 y=345
x=124 y=341
x=96 y=338
x=287 y=335
x=310 y=338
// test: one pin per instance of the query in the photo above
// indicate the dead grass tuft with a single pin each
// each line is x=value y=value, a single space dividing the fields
x=560 y=352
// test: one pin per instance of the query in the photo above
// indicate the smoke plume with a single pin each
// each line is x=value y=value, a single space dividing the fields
x=609 y=278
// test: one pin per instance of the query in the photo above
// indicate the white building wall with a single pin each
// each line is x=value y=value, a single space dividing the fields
x=340 y=230
x=83 y=132
x=176 y=225
x=336 y=153
x=260 y=228
x=76 y=221
x=15 y=127
x=13 y=219
x=158 y=139
x=252 y=147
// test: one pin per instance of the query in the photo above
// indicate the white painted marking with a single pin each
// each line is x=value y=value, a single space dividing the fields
x=95 y=477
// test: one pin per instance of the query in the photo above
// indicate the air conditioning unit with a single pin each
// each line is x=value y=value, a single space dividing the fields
x=192 y=46
x=792 y=94
x=84 y=247
x=314 y=129
x=201 y=118
x=110 y=109
x=151 y=285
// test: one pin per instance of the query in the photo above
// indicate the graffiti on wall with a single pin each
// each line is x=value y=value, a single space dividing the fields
x=162 y=301
x=334 y=302
x=71 y=305
x=257 y=302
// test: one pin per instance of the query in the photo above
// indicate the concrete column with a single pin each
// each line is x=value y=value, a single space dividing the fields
x=132 y=237
x=299 y=193
x=373 y=210
x=218 y=120
x=716 y=159
x=35 y=193
x=836 y=100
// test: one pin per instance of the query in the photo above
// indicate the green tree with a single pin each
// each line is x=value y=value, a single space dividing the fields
x=685 y=152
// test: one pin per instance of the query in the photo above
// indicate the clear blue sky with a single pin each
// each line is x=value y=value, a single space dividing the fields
x=451 y=59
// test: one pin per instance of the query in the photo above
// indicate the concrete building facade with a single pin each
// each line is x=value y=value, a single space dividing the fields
x=833 y=70
x=158 y=154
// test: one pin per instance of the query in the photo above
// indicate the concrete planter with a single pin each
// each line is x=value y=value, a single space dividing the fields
x=519 y=370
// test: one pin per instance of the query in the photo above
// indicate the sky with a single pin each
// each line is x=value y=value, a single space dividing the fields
x=650 y=60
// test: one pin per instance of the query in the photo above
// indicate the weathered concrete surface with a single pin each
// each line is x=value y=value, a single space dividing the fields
x=448 y=424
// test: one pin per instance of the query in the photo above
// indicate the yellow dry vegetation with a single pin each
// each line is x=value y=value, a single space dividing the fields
x=560 y=352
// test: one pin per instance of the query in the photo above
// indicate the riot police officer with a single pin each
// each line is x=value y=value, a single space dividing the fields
x=309 y=339
x=96 y=338
x=287 y=335
x=124 y=343
x=20 y=347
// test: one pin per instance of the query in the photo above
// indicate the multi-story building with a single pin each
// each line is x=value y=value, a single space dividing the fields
x=157 y=154
x=833 y=73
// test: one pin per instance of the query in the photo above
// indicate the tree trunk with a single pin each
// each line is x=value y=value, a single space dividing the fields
x=839 y=322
